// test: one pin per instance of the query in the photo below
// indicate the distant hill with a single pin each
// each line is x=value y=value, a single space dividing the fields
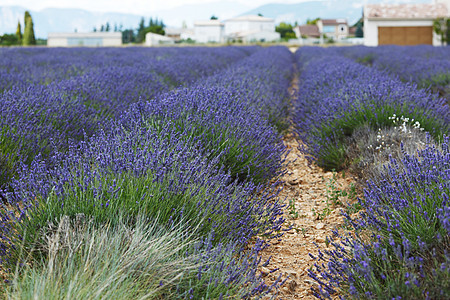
x=300 y=12
x=329 y=9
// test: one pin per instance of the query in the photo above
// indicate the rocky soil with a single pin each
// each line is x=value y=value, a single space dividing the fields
x=314 y=203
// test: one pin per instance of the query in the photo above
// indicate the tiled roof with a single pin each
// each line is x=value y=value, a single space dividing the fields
x=405 y=11
x=329 y=22
x=309 y=30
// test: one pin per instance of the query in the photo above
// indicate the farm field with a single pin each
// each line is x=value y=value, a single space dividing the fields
x=225 y=173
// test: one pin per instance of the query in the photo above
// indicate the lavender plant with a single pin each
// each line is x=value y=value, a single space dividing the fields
x=426 y=66
x=401 y=245
x=64 y=94
x=338 y=95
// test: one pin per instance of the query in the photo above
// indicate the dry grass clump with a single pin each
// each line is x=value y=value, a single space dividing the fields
x=370 y=150
x=84 y=262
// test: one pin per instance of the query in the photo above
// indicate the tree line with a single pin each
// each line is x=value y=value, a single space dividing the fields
x=137 y=35
x=26 y=38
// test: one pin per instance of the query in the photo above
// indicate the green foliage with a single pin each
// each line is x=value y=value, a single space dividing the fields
x=359 y=31
x=154 y=26
x=366 y=60
x=9 y=155
x=286 y=31
x=441 y=26
x=28 y=34
x=312 y=22
x=213 y=17
x=19 y=33
x=9 y=40
x=128 y=36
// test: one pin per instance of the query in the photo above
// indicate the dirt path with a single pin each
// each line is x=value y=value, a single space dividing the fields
x=310 y=211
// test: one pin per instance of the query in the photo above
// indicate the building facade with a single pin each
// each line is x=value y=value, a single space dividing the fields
x=251 y=29
x=153 y=39
x=210 y=31
x=402 y=24
x=336 y=29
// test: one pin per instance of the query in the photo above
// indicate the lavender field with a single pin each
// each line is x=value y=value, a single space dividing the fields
x=153 y=172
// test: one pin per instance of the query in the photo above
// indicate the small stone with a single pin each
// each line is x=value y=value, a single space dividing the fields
x=292 y=285
x=320 y=239
x=285 y=289
x=293 y=182
x=291 y=273
x=264 y=271
x=320 y=226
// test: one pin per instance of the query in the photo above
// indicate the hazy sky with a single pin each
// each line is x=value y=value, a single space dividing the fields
x=126 y=6
x=141 y=6
x=148 y=7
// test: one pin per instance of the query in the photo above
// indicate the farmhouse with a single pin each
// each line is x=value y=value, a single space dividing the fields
x=402 y=24
x=251 y=28
x=91 y=39
x=209 y=31
x=336 y=29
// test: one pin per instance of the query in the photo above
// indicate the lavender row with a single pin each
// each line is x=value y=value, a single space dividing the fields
x=197 y=155
x=176 y=66
x=338 y=95
x=427 y=66
x=45 y=109
x=235 y=114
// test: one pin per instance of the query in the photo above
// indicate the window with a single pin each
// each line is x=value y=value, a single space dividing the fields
x=328 y=29
x=84 y=41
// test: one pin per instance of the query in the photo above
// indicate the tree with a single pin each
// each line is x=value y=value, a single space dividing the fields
x=140 y=30
x=260 y=15
x=128 y=36
x=28 y=33
x=286 y=31
x=359 y=31
x=19 y=33
x=312 y=22
x=213 y=17
x=441 y=26
x=107 y=27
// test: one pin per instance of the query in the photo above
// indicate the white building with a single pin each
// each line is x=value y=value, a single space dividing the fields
x=210 y=31
x=91 y=39
x=336 y=29
x=402 y=24
x=250 y=29
x=153 y=39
